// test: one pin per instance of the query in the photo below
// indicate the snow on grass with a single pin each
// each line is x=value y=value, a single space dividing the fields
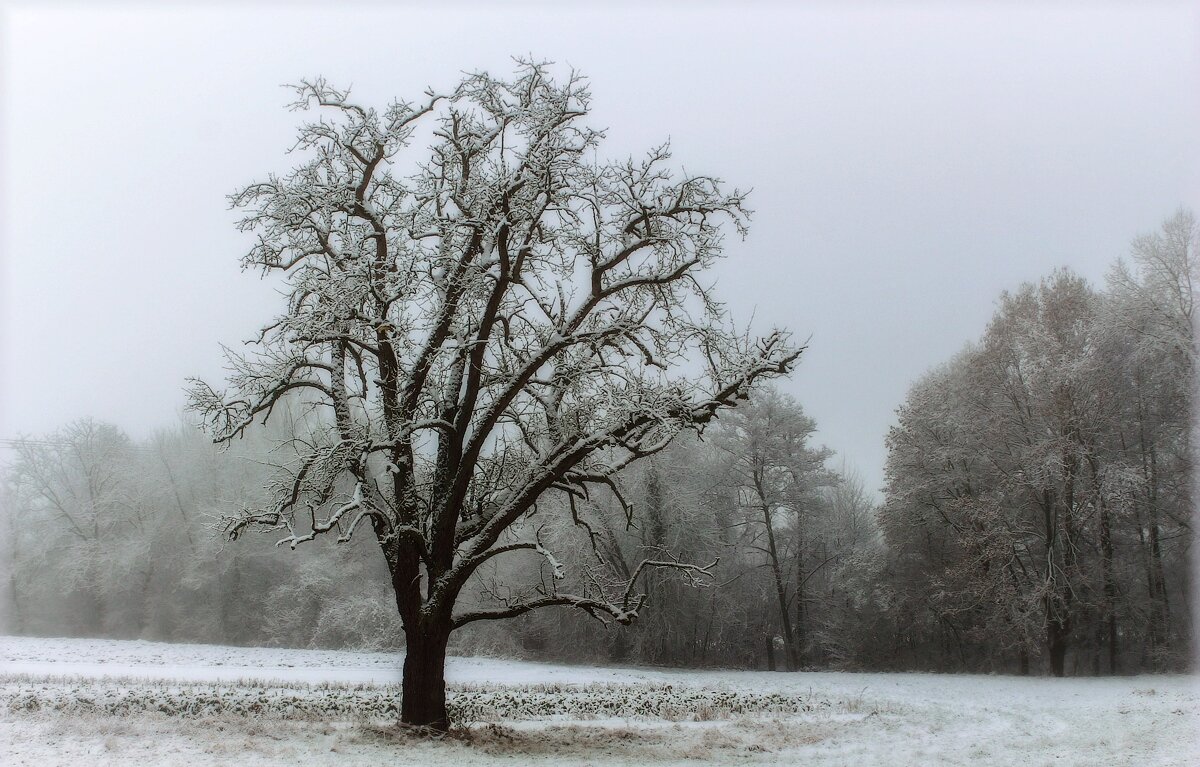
x=160 y=660
x=125 y=697
x=111 y=702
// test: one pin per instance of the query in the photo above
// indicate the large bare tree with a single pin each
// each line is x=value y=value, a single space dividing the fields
x=503 y=320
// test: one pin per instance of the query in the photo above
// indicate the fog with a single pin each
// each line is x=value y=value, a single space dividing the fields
x=534 y=378
x=908 y=163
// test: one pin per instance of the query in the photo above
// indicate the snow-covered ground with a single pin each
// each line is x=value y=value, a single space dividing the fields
x=806 y=718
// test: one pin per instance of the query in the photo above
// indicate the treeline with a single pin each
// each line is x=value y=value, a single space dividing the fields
x=1036 y=518
x=105 y=536
x=1038 y=505
x=790 y=539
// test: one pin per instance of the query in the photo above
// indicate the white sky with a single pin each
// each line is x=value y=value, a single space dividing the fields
x=908 y=162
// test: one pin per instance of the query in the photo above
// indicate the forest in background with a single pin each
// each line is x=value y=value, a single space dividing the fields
x=1036 y=517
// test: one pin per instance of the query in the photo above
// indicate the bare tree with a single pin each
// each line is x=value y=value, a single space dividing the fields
x=777 y=475
x=505 y=320
x=77 y=518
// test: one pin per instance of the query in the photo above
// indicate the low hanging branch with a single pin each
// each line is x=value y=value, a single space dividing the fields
x=624 y=611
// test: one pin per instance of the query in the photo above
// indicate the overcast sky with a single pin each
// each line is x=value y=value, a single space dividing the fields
x=908 y=164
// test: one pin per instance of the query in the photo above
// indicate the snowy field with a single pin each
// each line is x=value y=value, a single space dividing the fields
x=109 y=702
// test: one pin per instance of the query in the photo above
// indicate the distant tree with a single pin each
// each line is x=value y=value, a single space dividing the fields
x=1149 y=328
x=1038 y=485
x=931 y=473
x=994 y=451
x=681 y=624
x=778 y=477
x=504 y=322
x=838 y=602
x=78 y=526
x=12 y=619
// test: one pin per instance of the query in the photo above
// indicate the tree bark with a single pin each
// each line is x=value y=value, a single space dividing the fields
x=426 y=633
x=424 y=685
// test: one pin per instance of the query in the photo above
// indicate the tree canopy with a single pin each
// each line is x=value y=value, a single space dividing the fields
x=482 y=321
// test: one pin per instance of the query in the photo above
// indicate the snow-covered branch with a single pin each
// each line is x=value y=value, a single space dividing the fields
x=623 y=609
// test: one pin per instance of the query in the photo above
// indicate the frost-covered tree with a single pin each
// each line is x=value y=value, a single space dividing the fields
x=778 y=477
x=1038 y=496
x=72 y=515
x=1150 y=327
x=489 y=321
x=995 y=451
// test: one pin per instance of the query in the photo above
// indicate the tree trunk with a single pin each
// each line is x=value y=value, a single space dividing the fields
x=92 y=613
x=789 y=640
x=145 y=608
x=424 y=685
x=1055 y=603
x=15 y=623
x=1160 y=608
x=1156 y=581
x=230 y=595
x=1056 y=647
x=785 y=618
x=801 y=611
x=1109 y=610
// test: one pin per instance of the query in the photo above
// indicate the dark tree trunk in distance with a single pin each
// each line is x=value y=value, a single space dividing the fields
x=1056 y=647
